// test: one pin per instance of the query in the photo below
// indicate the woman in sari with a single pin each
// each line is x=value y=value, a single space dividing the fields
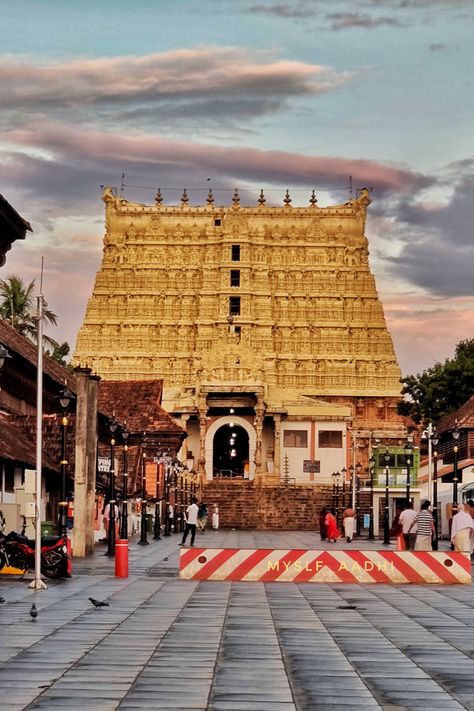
x=332 y=531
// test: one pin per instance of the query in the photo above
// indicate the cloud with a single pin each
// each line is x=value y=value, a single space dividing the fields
x=163 y=86
x=95 y=151
x=435 y=239
x=437 y=47
x=345 y=21
x=295 y=10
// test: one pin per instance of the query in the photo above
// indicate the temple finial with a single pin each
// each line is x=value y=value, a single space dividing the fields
x=287 y=199
x=158 y=197
x=236 y=197
x=184 y=197
x=261 y=199
x=210 y=197
x=313 y=200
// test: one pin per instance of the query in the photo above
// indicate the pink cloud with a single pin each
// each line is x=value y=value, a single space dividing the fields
x=274 y=167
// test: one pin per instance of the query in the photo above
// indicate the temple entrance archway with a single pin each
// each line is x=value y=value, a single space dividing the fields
x=219 y=455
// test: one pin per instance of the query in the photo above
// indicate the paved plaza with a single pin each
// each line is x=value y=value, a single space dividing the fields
x=170 y=644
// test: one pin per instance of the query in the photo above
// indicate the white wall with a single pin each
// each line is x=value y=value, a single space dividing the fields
x=331 y=459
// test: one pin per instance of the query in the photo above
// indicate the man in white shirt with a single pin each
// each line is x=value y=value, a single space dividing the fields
x=461 y=530
x=406 y=518
x=191 y=517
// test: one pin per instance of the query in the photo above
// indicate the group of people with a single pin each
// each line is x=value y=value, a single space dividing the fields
x=196 y=516
x=413 y=530
x=416 y=530
x=328 y=525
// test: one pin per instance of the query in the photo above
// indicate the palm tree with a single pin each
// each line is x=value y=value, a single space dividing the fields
x=17 y=306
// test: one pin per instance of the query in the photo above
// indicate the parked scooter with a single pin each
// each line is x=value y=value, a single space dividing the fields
x=18 y=551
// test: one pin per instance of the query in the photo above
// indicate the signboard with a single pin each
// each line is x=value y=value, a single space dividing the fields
x=311 y=466
x=103 y=464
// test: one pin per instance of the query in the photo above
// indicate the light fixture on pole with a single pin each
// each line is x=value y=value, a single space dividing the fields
x=358 y=469
x=427 y=434
x=371 y=508
x=4 y=354
x=386 y=522
x=111 y=533
x=456 y=434
x=143 y=538
x=434 y=440
x=408 y=460
x=124 y=520
x=157 y=521
x=65 y=397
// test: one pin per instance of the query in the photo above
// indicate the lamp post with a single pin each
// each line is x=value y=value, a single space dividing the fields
x=386 y=523
x=408 y=460
x=143 y=540
x=358 y=469
x=167 y=496
x=124 y=519
x=333 y=476
x=434 y=441
x=456 y=433
x=4 y=354
x=157 y=522
x=428 y=434
x=337 y=477
x=113 y=424
x=371 y=508
x=343 y=488
x=65 y=397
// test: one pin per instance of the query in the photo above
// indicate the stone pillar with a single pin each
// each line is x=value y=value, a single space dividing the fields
x=277 y=446
x=85 y=461
x=184 y=446
x=259 y=408
x=202 y=414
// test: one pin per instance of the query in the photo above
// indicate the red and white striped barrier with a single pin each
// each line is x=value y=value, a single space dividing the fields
x=306 y=566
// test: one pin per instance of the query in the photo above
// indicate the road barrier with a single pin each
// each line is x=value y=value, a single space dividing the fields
x=312 y=566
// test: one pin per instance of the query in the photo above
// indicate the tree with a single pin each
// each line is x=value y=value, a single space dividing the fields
x=17 y=306
x=441 y=389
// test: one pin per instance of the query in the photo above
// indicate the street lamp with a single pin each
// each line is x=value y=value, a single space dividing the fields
x=143 y=540
x=336 y=479
x=4 y=354
x=434 y=441
x=371 y=509
x=113 y=425
x=343 y=487
x=358 y=469
x=124 y=520
x=65 y=397
x=456 y=433
x=386 y=523
x=408 y=459
x=157 y=522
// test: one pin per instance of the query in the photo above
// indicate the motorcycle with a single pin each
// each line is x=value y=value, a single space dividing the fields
x=18 y=551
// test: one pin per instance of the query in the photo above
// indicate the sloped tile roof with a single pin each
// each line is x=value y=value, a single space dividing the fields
x=139 y=403
x=464 y=416
x=18 y=446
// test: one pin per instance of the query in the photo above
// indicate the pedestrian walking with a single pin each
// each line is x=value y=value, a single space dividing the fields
x=348 y=522
x=190 y=517
x=323 y=529
x=202 y=517
x=462 y=530
x=396 y=530
x=215 y=518
x=407 y=518
x=333 y=532
x=424 y=528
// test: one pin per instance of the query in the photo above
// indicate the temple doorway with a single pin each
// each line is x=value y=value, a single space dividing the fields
x=231 y=451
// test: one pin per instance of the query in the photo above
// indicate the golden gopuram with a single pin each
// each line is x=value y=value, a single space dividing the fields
x=264 y=324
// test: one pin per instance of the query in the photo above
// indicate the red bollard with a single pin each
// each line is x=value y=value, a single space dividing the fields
x=121 y=558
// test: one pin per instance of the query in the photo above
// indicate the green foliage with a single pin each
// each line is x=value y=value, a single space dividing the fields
x=441 y=389
x=18 y=308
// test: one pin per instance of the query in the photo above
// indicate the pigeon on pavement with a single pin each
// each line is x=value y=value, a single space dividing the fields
x=98 y=603
x=33 y=612
x=2 y=599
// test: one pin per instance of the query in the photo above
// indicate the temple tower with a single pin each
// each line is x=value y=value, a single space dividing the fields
x=263 y=320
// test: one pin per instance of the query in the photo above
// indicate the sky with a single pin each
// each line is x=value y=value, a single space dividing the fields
x=250 y=94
